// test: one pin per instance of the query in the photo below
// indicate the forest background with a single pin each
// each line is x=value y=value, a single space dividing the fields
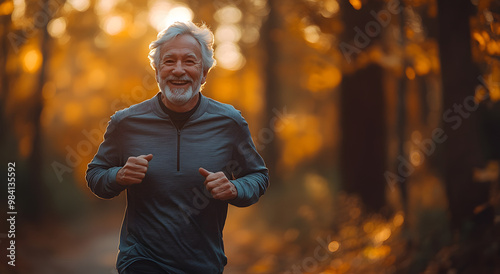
x=379 y=122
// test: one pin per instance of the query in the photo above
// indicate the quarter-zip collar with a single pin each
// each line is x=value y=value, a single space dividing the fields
x=158 y=110
x=179 y=118
x=155 y=104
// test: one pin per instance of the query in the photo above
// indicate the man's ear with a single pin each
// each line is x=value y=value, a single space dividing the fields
x=156 y=76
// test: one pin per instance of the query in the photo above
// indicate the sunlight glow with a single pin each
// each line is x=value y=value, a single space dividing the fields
x=493 y=47
x=375 y=253
x=19 y=10
x=157 y=13
x=227 y=33
x=495 y=94
x=251 y=36
x=162 y=15
x=79 y=5
x=381 y=235
x=410 y=73
x=178 y=14
x=480 y=40
x=422 y=64
x=113 y=25
x=57 y=27
x=228 y=56
x=228 y=15
x=227 y=36
x=356 y=4
x=333 y=246
x=312 y=33
x=330 y=7
x=322 y=77
x=316 y=187
x=398 y=219
x=6 y=8
x=105 y=6
x=32 y=60
x=259 y=4
x=416 y=158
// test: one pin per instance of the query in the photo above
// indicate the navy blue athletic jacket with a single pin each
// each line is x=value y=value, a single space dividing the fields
x=170 y=217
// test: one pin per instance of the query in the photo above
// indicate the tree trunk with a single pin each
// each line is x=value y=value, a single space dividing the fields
x=271 y=84
x=459 y=78
x=4 y=88
x=363 y=146
x=37 y=194
x=401 y=109
x=363 y=153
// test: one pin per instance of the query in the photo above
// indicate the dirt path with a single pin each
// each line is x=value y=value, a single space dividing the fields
x=87 y=245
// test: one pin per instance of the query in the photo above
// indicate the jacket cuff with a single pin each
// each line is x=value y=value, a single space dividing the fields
x=112 y=185
x=240 y=200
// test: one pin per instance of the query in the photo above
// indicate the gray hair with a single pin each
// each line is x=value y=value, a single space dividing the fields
x=202 y=34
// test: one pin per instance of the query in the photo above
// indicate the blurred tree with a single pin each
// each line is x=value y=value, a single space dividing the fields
x=459 y=79
x=5 y=19
x=5 y=135
x=269 y=41
x=486 y=53
x=4 y=43
x=37 y=194
x=363 y=145
x=401 y=109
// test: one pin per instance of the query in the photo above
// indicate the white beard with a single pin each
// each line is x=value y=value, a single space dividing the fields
x=178 y=96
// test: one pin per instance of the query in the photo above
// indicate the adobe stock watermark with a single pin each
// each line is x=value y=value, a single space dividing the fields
x=372 y=29
x=92 y=138
x=426 y=147
x=40 y=19
x=322 y=252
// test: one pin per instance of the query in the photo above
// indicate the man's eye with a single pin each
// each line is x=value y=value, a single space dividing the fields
x=190 y=62
x=169 y=61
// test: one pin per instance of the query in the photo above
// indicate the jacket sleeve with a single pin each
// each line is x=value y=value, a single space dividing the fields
x=248 y=169
x=101 y=171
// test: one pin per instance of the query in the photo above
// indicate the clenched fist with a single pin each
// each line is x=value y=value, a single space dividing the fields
x=218 y=185
x=134 y=170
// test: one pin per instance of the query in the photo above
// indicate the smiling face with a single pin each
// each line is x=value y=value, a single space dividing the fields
x=180 y=73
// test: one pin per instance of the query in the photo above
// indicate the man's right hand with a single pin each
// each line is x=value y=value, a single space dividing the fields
x=134 y=170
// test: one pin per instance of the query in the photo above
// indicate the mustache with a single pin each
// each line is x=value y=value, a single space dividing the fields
x=173 y=78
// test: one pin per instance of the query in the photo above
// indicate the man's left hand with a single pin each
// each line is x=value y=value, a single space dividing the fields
x=218 y=185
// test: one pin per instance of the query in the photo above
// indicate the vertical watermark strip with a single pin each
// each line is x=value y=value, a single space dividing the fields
x=11 y=212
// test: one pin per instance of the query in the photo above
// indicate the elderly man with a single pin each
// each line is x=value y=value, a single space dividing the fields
x=182 y=158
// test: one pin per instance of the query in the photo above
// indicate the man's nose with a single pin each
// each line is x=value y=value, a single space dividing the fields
x=178 y=68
